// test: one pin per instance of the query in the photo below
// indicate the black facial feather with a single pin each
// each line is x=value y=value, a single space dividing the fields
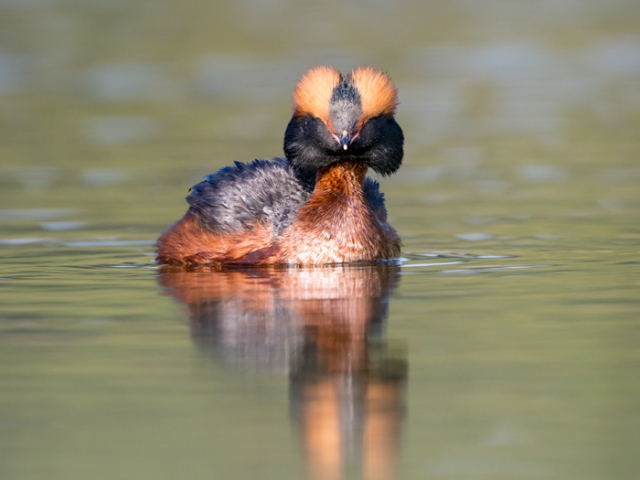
x=308 y=145
x=380 y=145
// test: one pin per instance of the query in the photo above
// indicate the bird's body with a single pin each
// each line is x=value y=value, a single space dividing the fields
x=314 y=207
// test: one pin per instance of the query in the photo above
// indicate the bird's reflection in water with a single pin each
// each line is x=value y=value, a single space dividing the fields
x=324 y=327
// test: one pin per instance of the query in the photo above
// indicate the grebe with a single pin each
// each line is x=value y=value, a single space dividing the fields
x=314 y=207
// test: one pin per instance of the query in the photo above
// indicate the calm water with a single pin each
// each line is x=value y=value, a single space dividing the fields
x=503 y=345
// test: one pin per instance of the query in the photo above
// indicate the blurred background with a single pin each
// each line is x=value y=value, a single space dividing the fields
x=515 y=308
x=154 y=94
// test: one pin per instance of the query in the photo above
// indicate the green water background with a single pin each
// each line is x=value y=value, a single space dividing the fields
x=521 y=172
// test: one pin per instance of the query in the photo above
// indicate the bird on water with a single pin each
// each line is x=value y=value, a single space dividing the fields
x=314 y=207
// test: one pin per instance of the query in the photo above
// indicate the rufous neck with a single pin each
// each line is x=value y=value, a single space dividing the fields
x=341 y=177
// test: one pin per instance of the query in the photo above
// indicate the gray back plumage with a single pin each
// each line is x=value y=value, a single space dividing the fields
x=237 y=197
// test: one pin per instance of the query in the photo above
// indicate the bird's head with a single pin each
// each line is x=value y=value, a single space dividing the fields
x=348 y=117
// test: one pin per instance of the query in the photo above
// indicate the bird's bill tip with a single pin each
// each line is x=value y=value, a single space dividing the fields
x=345 y=139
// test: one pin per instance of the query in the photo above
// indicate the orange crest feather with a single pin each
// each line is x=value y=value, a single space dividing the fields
x=377 y=92
x=313 y=92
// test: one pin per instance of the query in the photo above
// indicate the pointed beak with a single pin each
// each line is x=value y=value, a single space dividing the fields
x=345 y=139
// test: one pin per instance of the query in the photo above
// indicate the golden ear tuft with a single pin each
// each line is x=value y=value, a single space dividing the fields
x=313 y=92
x=379 y=95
